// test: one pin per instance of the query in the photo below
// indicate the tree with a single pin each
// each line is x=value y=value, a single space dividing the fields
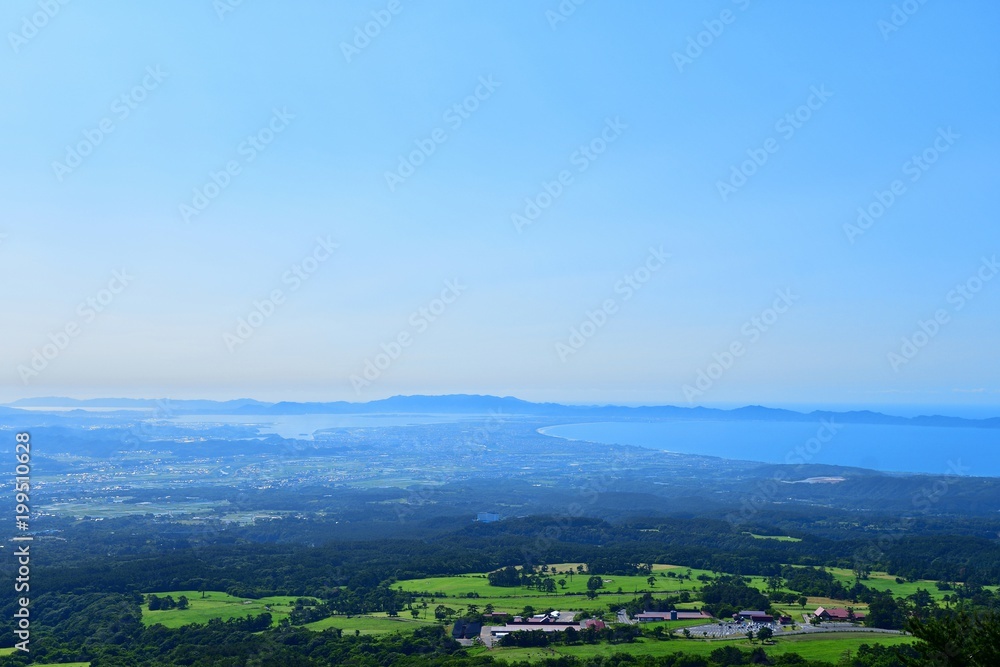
x=489 y=608
x=774 y=582
x=182 y=602
x=765 y=634
x=957 y=639
x=549 y=586
x=750 y=635
x=594 y=583
x=508 y=577
x=415 y=613
x=803 y=601
x=651 y=580
x=562 y=582
x=884 y=612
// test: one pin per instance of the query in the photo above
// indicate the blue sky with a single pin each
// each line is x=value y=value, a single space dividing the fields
x=644 y=109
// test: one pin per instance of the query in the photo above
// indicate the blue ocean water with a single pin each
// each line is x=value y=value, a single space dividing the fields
x=920 y=449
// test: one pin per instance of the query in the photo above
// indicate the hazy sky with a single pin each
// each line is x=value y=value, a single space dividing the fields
x=652 y=175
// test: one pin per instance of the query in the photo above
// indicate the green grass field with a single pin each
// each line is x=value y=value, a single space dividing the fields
x=224 y=606
x=514 y=600
x=829 y=647
x=371 y=624
x=883 y=581
x=216 y=605
x=459 y=586
x=10 y=650
x=779 y=538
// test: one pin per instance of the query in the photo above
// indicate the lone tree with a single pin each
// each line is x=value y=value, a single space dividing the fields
x=764 y=634
x=594 y=583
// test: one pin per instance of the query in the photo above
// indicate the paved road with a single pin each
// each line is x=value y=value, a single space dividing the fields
x=623 y=618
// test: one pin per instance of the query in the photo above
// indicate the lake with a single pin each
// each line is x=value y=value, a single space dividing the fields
x=921 y=449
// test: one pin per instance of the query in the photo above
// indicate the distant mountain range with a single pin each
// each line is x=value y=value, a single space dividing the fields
x=507 y=405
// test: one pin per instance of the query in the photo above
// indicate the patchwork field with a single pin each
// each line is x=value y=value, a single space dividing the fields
x=223 y=606
x=459 y=592
x=575 y=583
x=370 y=624
x=828 y=646
x=216 y=604
x=779 y=538
x=883 y=581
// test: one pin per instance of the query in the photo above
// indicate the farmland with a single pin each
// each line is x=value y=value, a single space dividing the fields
x=216 y=604
x=830 y=647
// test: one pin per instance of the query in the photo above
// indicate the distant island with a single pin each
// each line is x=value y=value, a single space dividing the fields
x=472 y=404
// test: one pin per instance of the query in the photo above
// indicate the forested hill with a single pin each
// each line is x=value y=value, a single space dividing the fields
x=509 y=406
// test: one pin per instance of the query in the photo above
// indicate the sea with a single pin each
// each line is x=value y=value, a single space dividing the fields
x=912 y=449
